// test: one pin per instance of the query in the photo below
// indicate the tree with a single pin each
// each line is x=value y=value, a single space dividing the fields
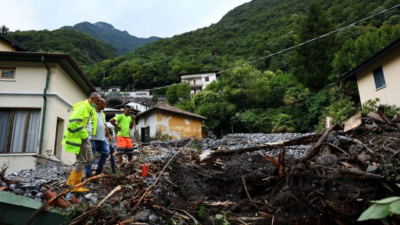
x=183 y=91
x=4 y=29
x=172 y=97
x=312 y=64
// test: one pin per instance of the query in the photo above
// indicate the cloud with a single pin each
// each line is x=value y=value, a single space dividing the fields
x=142 y=18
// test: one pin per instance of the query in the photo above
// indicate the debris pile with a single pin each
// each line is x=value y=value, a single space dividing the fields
x=245 y=179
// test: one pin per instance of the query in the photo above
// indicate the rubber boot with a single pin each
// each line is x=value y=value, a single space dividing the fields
x=74 y=179
x=98 y=171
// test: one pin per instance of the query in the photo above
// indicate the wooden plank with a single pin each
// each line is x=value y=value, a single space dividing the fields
x=353 y=122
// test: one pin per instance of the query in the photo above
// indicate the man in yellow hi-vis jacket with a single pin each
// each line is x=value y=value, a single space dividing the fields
x=76 y=137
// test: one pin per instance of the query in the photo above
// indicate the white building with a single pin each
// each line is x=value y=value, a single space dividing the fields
x=114 y=89
x=198 y=80
x=135 y=105
x=33 y=121
x=143 y=93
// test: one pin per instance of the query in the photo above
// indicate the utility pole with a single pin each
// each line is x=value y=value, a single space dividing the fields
x=104 y=75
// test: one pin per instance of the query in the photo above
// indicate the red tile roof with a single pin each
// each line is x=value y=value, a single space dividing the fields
x=169 y=108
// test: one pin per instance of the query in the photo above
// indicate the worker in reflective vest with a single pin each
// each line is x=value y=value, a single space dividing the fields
x=76 y=137
x=98 y=139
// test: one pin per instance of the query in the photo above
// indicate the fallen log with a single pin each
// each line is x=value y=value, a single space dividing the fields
x=219 y=204
x=248 y=219
x=314 y=151
x=305 y=140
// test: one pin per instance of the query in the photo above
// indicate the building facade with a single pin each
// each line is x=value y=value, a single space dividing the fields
x=32 y=122
x=378 y=76
x=164 y=119
x=198 y=81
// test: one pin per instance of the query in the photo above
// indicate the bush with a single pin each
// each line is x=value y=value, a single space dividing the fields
x=339 y=111
x=372 y=106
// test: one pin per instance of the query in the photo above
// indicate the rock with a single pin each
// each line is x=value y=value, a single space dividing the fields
x=326 y=160
x=32 y=186
x=300 y=166
x=331 y=139
x=39 y=194
x=93 y=199
x=372 y=169
x=19 y=192
x=286 y=187
x=250 y=159
x=143 y=216
x=88 y=196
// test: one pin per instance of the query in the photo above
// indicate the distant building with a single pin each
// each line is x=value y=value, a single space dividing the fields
x=135 y=106
x=198 y=80
x=114 y=89
x=164 y=119
x=378 y=76
x=32 y=122
x=143 y=93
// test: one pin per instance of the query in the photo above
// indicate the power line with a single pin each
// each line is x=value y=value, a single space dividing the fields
x=311 y=40
x=287 y=49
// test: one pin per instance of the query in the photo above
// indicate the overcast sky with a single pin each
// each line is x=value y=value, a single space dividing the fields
x=142 y=18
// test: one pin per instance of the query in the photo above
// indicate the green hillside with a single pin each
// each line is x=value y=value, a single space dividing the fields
x=247 y=32
x=121 y=40
x=83 y=48
x=293 y=91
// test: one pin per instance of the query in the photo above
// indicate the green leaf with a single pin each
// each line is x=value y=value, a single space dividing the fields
x=219 y=216
x=375 y=211
x=386 y=200
x=398 y=185
x=394 y=207
x=201 y=211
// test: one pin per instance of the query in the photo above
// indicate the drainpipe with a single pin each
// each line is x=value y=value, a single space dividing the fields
x=44 y=105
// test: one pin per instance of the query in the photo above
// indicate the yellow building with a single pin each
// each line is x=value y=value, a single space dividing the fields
x=37 y=92
x=164 y=119
x=378 y=76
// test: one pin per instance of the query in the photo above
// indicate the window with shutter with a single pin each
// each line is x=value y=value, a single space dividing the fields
x=379 y=78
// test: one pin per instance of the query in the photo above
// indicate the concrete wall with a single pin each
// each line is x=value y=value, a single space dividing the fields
x=391 y=68
x=5 y=46
x=178 y=126
x=26 y=92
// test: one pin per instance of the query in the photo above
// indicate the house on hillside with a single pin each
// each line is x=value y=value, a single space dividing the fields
x=32 y=121
x=136 y=107
x=378 y=76
x=198 y=80
x=163 y=119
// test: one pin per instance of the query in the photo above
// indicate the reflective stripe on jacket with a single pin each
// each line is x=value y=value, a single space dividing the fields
x=94 y=122
x=76 y=129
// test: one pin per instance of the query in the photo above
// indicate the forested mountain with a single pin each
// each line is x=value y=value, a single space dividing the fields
x=83 y=48
x=293 y=91
x=121 y=40
x=247 y=32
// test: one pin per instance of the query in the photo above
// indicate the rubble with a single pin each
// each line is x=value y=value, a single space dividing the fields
x=325 y=178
